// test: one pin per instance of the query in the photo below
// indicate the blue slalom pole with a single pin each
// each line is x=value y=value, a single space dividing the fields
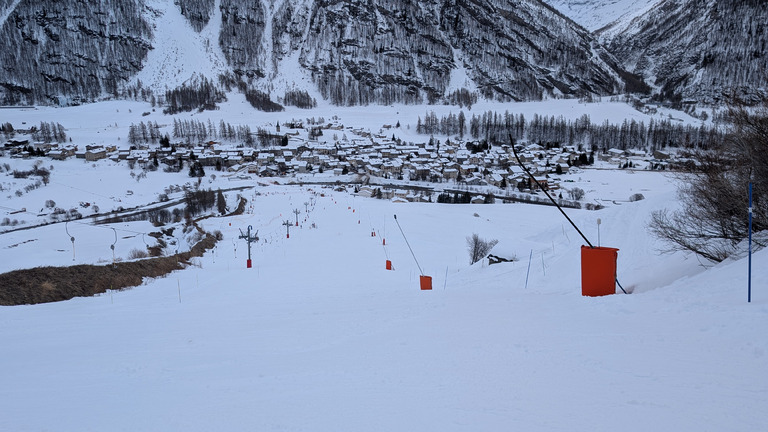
x=749 y=276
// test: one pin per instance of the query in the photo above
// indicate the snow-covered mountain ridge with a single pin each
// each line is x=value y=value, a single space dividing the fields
x=696 y=50
x=348 y=52
x=383 y=51
x=596 y=14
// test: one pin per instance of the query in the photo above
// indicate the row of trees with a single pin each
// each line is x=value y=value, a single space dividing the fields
x=50 y=132
x=7 y=130
x=207 y=94
x=144 y=133
x=495 y=128
x=299 y=99
x=201 y=200
x=37 y=170
x=195 y=131
x=198 y=12
x=462 y=97
x=202 y=95
x=262 y=101
x=47 y=132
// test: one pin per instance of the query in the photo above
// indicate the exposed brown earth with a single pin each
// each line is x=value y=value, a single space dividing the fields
x=50 y=284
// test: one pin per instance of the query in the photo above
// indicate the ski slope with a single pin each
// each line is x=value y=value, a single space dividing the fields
x=319 y=336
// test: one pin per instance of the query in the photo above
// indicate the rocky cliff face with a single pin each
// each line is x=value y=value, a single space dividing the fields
x=523 y=50
x=697 y=49
x=243 y=24
x=69 y=51
x=384 y=51
x=352 y=51
x=388 y=51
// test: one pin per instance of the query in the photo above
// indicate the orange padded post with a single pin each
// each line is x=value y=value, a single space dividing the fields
x=426 y=282
x=598 y=271
x=389 y=265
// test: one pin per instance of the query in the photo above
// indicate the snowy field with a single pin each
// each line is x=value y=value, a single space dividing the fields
x=319 y=336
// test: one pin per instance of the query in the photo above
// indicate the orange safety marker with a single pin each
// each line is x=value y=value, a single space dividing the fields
x=598 y=271
x=426 y=282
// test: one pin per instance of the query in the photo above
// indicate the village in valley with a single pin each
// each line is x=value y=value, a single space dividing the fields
x=380 y=164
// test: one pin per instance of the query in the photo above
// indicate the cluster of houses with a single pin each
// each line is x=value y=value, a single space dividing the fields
x=22 y=148
x=365 y=154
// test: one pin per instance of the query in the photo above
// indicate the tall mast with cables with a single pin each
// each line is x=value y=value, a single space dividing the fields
x=249 y=238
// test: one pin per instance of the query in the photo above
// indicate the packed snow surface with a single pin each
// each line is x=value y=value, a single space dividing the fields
x=319 y=336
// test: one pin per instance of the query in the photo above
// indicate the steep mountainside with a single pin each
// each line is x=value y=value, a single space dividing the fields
x=348 y=51
x=384 y=51
x=61 y=51
x=198 y=12
x=697 y=49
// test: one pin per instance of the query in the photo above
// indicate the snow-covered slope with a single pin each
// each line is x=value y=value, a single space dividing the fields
x=179 y=53
x=696 y=50
x=319 y=336
x=596 y=14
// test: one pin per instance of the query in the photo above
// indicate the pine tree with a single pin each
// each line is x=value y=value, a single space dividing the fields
x=221 y=202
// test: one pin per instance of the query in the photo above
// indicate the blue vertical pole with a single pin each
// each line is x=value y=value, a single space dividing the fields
x=749 y=276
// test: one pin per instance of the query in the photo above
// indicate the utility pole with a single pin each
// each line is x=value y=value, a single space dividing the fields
x=249 y=238
x=71 y=238
x=287 y=224
x=296 y=212
x=306 y=207
x=113 y=249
